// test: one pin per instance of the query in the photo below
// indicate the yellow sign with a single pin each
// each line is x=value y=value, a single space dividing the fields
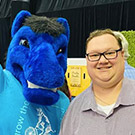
x=75 y=73
x=77 y=78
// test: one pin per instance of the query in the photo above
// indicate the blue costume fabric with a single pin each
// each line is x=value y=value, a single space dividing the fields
x=129 y=71
x=30 y=103
x=23 y=117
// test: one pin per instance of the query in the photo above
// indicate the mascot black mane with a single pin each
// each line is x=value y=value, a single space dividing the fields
x=35 y=68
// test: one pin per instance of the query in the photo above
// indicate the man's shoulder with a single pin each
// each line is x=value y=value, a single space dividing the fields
x=129 y=84
x=79 y=101
x=129 y=81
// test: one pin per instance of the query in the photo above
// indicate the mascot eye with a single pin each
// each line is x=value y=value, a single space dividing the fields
x=60 y=51
x=24 y=43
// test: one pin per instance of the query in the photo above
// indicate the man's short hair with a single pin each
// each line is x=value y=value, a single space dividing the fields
x=97 y=33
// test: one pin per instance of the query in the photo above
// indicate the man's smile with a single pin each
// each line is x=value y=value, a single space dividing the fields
x=105 y=67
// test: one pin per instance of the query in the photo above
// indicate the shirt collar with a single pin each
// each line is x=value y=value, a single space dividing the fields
x=127 y=94
x=126 y=97
x=89 y=102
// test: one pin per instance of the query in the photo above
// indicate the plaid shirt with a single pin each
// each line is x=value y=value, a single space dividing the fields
x=129 y=71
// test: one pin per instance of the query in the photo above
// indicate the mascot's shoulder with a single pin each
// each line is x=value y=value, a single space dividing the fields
x=63 y=101
x=8 y=81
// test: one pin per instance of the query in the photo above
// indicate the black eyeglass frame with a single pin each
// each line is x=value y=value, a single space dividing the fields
x=120 y=49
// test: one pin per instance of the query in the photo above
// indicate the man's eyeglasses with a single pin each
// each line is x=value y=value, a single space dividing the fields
x=108 y=55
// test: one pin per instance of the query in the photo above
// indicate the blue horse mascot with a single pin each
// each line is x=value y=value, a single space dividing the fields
x=30 y=103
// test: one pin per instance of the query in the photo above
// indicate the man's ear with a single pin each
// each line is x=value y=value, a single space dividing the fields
x=122 y=52
x=64 y=22
x=18 y=21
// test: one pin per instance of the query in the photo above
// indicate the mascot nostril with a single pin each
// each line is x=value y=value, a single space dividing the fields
x=17 y=67
x=29 y=66
x=35 y=68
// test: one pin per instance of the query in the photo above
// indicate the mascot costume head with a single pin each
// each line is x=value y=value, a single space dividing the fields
x=35 y=67
x=37 y=56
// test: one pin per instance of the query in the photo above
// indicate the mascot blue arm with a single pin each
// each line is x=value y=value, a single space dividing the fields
x=35 y=68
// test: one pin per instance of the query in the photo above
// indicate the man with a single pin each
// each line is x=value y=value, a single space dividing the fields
x=107 y=106
x=129 y=70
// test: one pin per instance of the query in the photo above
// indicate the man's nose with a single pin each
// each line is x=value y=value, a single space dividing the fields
x=103 y=58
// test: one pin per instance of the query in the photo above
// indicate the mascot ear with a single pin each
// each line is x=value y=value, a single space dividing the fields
x=18 y=21
x=64 y=22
